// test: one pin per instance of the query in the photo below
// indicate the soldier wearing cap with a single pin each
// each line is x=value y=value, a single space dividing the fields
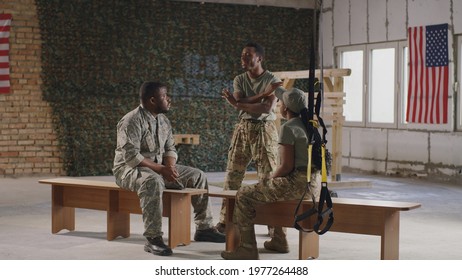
x=287 y=182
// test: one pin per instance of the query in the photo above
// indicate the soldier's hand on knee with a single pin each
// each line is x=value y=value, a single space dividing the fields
x=169 y=173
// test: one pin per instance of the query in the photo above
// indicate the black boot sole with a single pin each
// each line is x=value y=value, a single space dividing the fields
x=158 y=253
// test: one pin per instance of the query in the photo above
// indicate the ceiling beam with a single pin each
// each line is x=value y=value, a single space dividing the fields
x=297 y=4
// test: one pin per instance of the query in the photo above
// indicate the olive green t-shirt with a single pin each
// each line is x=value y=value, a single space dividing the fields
x=248 y=86
x=293 y=132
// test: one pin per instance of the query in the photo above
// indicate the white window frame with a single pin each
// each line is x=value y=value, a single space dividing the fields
x=367 y=50
x=457 y=88
x=370 y=48
x=362 y=48
x=402 y=85
x=401 y=89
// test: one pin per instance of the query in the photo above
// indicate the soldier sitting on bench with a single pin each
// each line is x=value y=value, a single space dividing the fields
x=145 y=162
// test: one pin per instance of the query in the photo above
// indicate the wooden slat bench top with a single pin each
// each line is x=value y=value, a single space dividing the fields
x=223 y=194
x=69 y=193
x=393 y=205
x=76 y=182
x=351 y=215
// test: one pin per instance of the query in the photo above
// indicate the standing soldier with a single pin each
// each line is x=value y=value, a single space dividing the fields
x=255 y=135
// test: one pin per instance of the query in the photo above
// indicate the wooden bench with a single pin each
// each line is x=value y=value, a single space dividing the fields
x=360 y=216
x=70 y=193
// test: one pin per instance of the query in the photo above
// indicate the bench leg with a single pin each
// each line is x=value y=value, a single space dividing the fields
x=308 y=245
x=178 y=208
x=118 y=223
x=232 y=232
x=390 y=236
x=62 y=217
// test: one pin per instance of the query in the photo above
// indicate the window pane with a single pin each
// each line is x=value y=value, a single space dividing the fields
x=353 y=85
x=382 y=88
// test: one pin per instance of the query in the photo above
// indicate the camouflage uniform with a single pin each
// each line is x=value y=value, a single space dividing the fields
x=276 y=189
x=254 y=137
x=141 y=135
x=252 y=140
x=288 y=187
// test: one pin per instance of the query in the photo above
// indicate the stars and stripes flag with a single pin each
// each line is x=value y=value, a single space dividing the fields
x=5 y=23
x=428 y=74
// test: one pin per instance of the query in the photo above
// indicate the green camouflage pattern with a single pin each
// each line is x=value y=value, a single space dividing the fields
x=149 y=186
x=276 y=189
x=91 y=78
x=251 y=142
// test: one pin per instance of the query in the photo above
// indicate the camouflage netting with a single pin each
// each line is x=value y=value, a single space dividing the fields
x=96 y=54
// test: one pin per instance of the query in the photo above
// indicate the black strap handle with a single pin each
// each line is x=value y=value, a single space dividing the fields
x=325 y=196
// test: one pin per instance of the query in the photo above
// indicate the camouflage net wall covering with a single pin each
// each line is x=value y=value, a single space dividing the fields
x=96 y=54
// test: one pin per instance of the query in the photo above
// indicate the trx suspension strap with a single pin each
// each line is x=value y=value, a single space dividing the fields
x=314 y=138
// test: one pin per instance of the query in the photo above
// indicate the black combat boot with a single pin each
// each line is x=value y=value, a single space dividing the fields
x=209 y=235
x=156 y=246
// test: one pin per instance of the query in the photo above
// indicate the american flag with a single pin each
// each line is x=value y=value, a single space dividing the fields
x=428 y=74
x=5 y=23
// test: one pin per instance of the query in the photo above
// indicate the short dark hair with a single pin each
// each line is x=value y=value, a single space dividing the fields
x=149 y=89
x=259 y=49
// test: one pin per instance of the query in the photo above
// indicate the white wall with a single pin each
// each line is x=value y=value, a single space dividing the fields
x=427 y=152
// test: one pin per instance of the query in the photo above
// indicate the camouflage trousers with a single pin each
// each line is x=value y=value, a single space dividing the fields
x=251 y=141
x=275 y=189
x=149 y=186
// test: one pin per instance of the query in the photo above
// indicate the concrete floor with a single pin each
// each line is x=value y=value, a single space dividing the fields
x=432 y=232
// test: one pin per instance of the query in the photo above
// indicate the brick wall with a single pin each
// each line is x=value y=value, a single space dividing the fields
x=28 y=143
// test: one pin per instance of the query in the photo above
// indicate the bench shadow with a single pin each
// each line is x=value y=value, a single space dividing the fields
x=86 y=234
x=133 y=238
x=198 y=255
x=179 y=252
